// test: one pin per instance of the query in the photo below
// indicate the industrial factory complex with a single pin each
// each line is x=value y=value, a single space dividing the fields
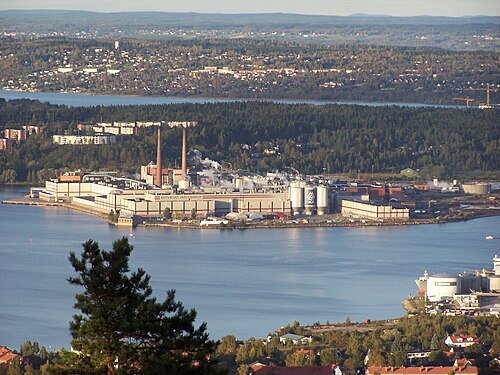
x=212 y=192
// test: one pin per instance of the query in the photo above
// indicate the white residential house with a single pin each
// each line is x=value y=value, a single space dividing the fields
x=295 y=339
x=461 y=341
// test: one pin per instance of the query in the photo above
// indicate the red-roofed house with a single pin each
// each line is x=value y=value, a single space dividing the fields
x=306 y=370
x=461 y=341
x=7 y=355
x=307 y=352
x=446 y=370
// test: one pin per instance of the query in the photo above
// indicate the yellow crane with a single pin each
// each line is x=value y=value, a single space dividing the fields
x=467 y=100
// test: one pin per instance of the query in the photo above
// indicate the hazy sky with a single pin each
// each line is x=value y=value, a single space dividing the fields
x=328 y=7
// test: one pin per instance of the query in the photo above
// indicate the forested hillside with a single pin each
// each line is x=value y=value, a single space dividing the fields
x=263 y=137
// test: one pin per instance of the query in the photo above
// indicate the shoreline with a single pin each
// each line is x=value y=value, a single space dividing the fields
x=210 y=100
x=257 y=225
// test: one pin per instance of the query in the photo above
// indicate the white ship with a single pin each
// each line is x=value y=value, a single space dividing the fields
x=422 y=283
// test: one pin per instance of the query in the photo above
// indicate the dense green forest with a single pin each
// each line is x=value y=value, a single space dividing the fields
x=311 y=139
x=247 y=68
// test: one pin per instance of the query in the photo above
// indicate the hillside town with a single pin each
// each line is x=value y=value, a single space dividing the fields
x=154 y=68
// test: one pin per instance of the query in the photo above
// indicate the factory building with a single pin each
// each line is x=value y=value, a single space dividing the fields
x=374 y=211
x=103 y=193
x=153 y=204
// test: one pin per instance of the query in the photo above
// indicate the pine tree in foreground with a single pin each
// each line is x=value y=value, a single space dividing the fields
x=122 y=329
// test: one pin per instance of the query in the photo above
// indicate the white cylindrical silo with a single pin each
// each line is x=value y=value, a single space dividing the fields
x=297 y=197
x=496 y=265
x=238 y=182
x=442 y=287
x=184 y=184
x=322 y=200
x=469 y=282
x=477 y=188
x=494 y=284
x=309 y=200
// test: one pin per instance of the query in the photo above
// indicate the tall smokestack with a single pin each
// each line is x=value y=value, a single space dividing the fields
x=184 y=156
x=158 y=159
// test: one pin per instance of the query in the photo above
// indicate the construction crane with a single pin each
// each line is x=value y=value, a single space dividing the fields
x=487 y=89
x=467 y=100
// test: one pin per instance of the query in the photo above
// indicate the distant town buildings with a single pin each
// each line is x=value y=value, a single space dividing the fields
x=13 y=136
x=432 y=370
x=97 y=139
x=6 y=144
x=114 y=128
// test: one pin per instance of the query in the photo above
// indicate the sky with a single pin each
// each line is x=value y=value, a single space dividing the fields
x=453 y=8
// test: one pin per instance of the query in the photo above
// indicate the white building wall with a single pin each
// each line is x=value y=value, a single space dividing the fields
x=442 y=287
x=371 y=211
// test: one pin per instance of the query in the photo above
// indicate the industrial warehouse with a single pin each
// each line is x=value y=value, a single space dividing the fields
x=211 y=192
x=215 y=195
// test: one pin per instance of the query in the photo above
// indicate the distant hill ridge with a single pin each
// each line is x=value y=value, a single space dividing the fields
x=240 y=18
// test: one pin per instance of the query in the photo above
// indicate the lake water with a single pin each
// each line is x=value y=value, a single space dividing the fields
x=87 y=100
x=241 y=282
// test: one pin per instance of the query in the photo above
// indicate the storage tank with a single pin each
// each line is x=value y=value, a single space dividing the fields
x=238 y=182
x=322 y=200
x=310 y=200
x=441 y=287
x=494 y=283
x=184 y=184
x=496 y=265
x=470 y=282
x=477 y=188
x=297 y=197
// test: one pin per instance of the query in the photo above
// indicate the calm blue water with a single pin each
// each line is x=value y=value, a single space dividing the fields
x=246 y=283
x=86 y=100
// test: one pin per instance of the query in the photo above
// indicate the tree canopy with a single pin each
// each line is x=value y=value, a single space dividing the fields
x=121 y=328
x=435 y=142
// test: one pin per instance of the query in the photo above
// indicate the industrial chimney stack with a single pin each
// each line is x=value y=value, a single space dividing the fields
x=158 y=160
x=184 y=125
x=184 y=153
